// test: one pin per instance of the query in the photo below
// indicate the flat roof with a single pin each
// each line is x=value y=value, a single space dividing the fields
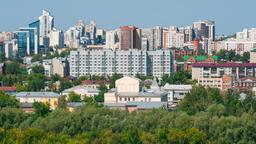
x=147 y=105
x=143 y=94
x=177 y=87
x=224 y=65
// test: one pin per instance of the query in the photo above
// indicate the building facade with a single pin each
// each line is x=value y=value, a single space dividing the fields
x=56 y=38
x=131 y=62
x=129 y=95
x=130 y=38
x=217 y=70
x=22 y=42
x=72 y=38
x=33 y=40
x=112 y=39
x=44 y=97
x=46 y=25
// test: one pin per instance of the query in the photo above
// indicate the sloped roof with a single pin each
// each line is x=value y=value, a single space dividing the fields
x=37 y=94
x=8 y=89
x=201 y=58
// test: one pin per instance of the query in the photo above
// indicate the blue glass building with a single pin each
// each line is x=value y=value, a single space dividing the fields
x=1 y=49
x=36 y=25
x=22 y=42
x=33 y=40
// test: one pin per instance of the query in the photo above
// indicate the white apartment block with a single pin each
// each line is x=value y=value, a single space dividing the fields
x=112 y=39
x=240 y=46
x=55 y=66
x=72 y=38
x=173 y=38
x=46 y=25
x=132 y=62
x=247 y=35
x=56 y=38
x=160 y=62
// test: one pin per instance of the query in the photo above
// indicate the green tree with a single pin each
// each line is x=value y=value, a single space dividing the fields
x=166 y=79
x=21 y=87
x=99 y=97
x=36 y=82
x=65 y=84
x=73 y=97
x=113 y=79
x=182 y=77
x=14 y=68
x=41 y=109
x=199 y=98
x=62 y=102
x=246 y=57
x=8 y=101
x=39 y=69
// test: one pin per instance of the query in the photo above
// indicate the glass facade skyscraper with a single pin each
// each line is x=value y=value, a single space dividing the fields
x=1 y=50
x=22 y=42
x=33 y=40
x=36 y=25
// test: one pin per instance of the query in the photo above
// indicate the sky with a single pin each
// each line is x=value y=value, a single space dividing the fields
x=230 y=16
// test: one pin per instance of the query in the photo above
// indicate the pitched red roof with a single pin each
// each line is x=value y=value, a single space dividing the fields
x=90 y=82
x=8 y=89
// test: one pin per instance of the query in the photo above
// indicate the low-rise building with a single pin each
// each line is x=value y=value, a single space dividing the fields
x=217 y=70
x=71 y=106
x=176 y=93
x=8 y=90
x=82 y=91
x=94 y=83
x=223 y=83
x=129 y=90
x=60 y=66
x=245 y=84
x=45 y=97
x=185 y=63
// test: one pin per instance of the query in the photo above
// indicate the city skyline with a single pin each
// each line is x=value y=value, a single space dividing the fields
x=112 y=14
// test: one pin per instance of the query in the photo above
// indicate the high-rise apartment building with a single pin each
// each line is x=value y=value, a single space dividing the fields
x=205 y=29
x=157 y=37
x=188 y=33
x=91 y=30
x=126 y=62
x=9 y=49
x=130 y=38
x=56 y=38
x=147 y=39
x=72 y=38
x=80 y=26
x=173 y=38
x=112 y=39
x=46 y=25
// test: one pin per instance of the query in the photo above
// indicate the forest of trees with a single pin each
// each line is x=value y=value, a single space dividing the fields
x=230 y=55
x=205 y=116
